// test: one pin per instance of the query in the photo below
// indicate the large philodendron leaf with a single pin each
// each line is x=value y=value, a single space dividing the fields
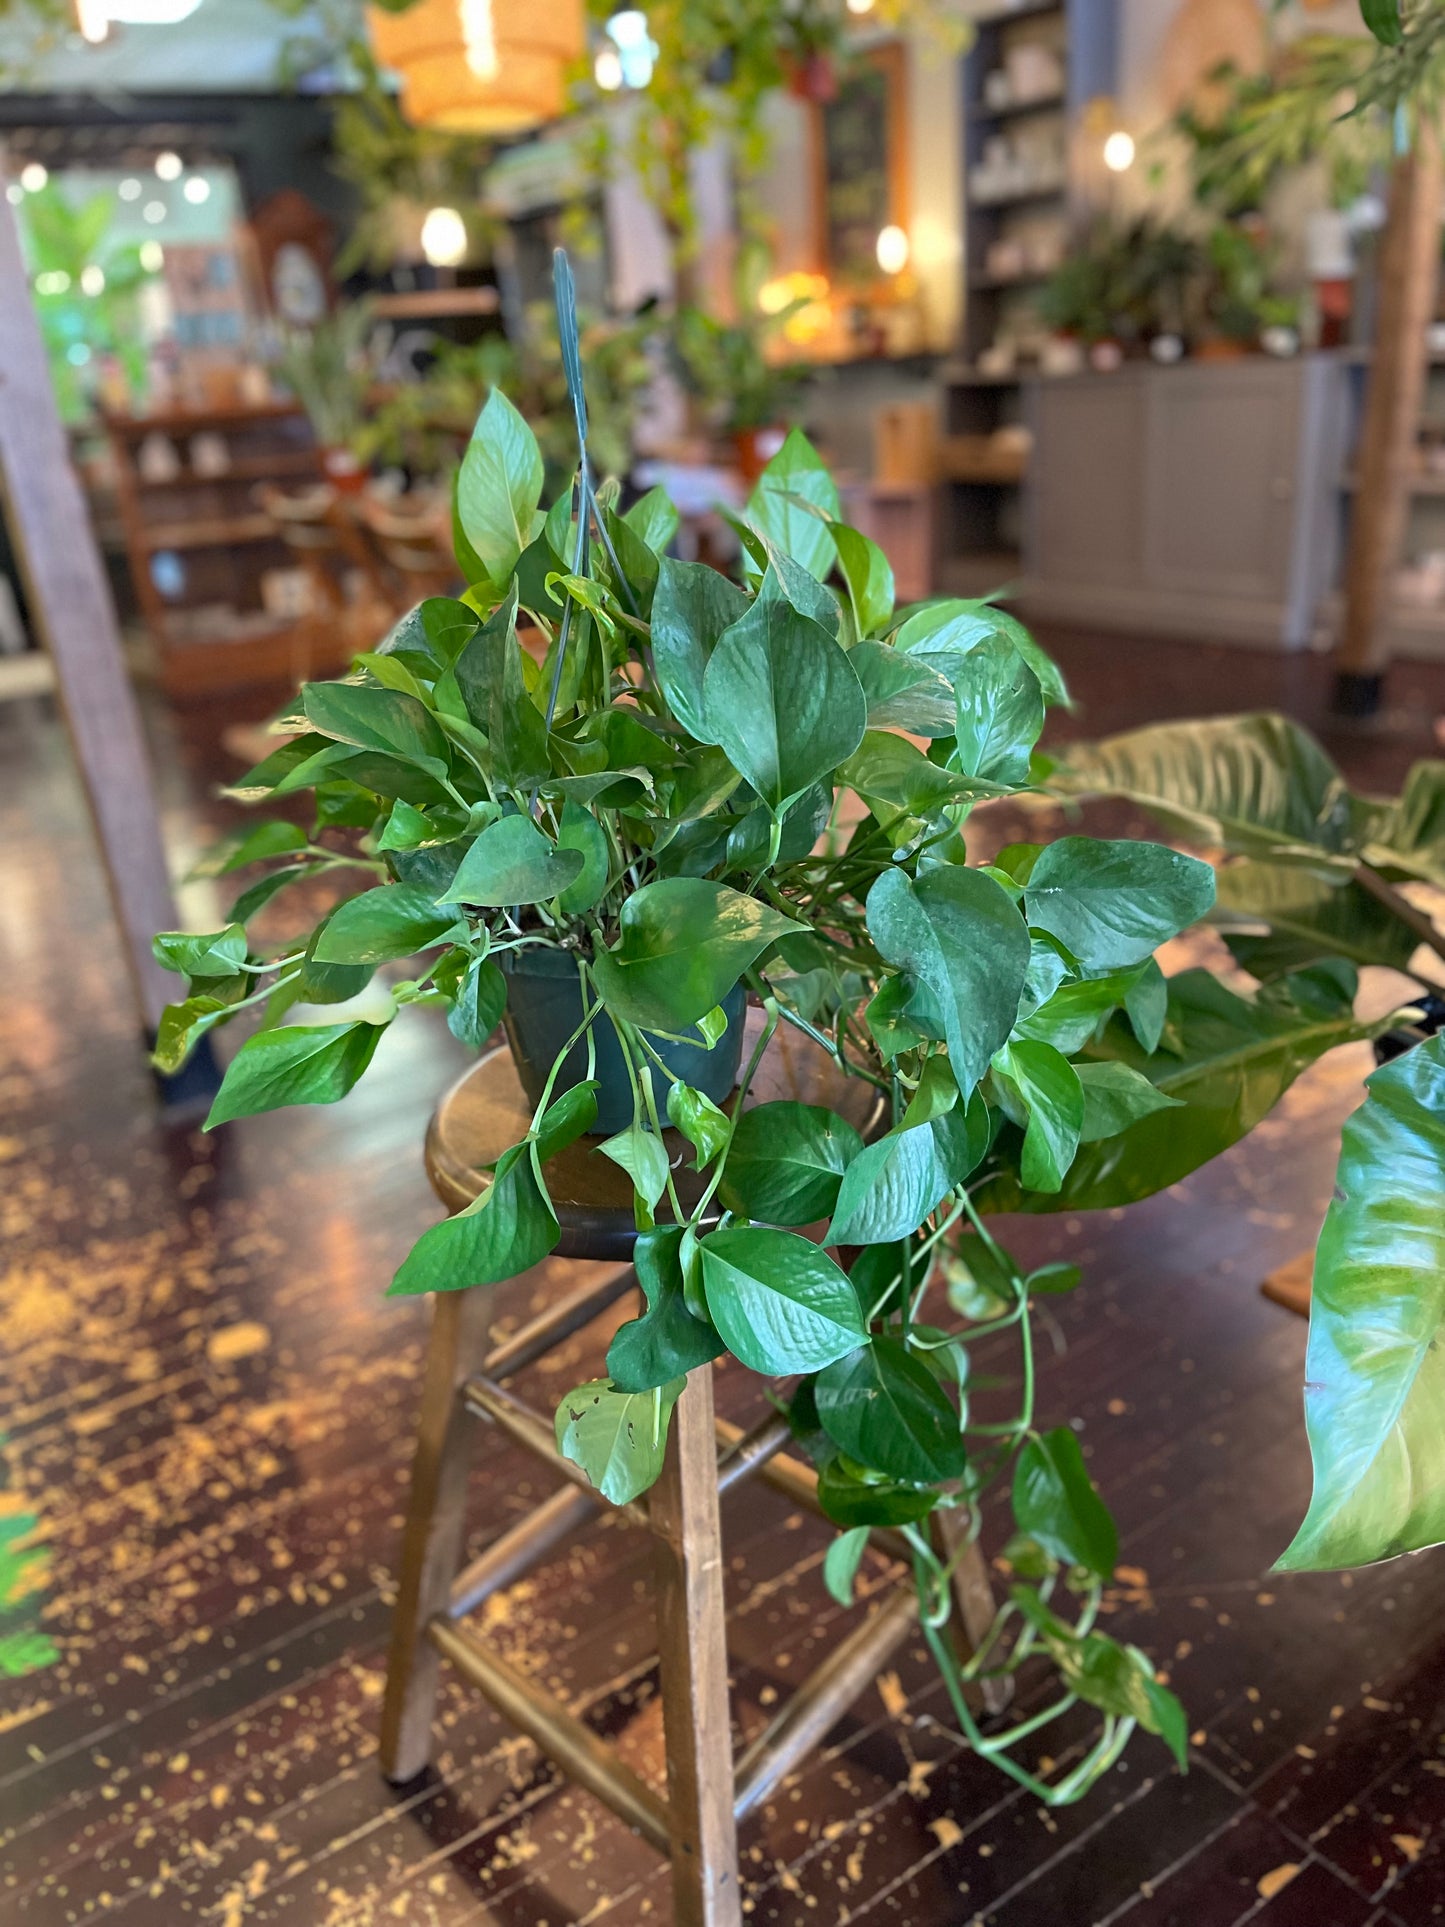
x=1259 y=785
x=1409 y=834
x=1375 y=1371
x=1232 y=1059
x=783 y=700
x=1307 y=919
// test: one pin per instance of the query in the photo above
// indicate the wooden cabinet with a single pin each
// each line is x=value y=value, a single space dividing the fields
x=1198 y=500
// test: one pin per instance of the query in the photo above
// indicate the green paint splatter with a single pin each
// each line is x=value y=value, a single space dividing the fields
x=24 y=1567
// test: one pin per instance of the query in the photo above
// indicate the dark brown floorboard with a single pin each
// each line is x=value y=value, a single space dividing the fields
x=209 y=1404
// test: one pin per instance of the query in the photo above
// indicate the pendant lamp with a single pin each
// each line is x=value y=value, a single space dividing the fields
x=481 y=66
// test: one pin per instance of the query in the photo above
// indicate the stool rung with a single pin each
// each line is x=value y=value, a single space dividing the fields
x=520 y=1547
x=529 y=1428
x=559 y=1321
x=799 y=1482
x=749 y=1452
x=580 y=1752
x=819 y=1701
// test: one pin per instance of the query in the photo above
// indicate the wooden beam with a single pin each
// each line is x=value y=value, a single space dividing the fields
x=1409 y=272
x=70 y=602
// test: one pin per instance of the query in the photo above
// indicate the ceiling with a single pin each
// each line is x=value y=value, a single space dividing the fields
x=225 y=46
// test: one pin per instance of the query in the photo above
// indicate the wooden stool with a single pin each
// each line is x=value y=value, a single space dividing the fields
x=706 y=1792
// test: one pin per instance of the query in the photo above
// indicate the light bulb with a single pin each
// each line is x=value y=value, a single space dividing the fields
x=129 y=189
x=92 y=279
x=169 y=166
x=197 y=189
x=1119 y=152
x=153 y=211
x=892 y=250
x=860 y=6
x=444 y=237
x=607 y=69
x=33 y=177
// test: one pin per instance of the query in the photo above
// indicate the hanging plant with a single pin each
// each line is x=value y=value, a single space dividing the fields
x=711 y=792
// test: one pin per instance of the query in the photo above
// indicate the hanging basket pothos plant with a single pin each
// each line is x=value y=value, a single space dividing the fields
x=711 y=785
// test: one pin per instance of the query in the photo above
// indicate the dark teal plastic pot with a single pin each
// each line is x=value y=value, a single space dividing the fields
x=544 y=1007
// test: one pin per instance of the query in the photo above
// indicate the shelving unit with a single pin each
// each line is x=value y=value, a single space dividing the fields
x=1020 y=129
x=197 y=545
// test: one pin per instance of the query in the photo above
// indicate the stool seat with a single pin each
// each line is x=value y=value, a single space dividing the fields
x=486 y=1111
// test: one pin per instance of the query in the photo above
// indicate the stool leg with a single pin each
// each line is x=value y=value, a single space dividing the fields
x=431 y=1546
x=693 y=1649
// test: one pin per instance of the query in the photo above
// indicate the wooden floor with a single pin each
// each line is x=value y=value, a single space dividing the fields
x=208 y=1404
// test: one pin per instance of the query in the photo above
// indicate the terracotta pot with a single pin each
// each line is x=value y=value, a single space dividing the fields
x=341 y=468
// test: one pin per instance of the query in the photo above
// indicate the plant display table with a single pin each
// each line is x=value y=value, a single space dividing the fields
x=707 y=1792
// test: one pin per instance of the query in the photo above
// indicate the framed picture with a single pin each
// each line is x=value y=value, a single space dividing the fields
x=860 y=163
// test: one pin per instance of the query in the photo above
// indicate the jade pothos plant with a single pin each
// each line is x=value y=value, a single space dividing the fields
x=691 y=788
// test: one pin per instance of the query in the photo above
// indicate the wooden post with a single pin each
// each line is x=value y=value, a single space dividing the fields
x=70 y=602
x=435 y=1527
x=692 y=1644
x=1409 y=271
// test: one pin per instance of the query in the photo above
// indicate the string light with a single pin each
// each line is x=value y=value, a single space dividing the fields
x=33 y=177
x=892 y=250
x=169 y=166
x=197 y=189
x=444 y=237
x=1119 y=152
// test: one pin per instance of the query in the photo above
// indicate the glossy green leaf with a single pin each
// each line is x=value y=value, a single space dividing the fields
x=643 y=1157
x=691 y=607
x=618 y=1438
x=1375 y=1370
x=1146 y=1003
x=1112 y=904
x=700 y=1121
x=869 y=578
x=783 y=700
x=1117 y=1679
x=666 y=1342
x=889 y=1188
x=477 y=1008
x=1070 y=1015
x=393 y=920
x=1306 y=918
x=499 y=487
x=493 y=686
x=261 y=892
x=448 y=626
x=942 y=634
x=580 y=830
x=841 y=1561
x=250 y=846
x=1056 y=1503
x=513 y=862
x=780 y=1303
x=960 y=936
x=305 y=1064
x=886 y=1410
x=1382 y=17
x=183 y=1025
x=901 y=692
x=382 y=720
x=208 y=954
x=654 y=520
x=509 y=1227
x=1000 y=712
x=787 y=1161
x=683 y=944
x=850 y=1501
x=797 y=471
x=1053 y=1100
x=1116 y=1096
x=1232 y=1059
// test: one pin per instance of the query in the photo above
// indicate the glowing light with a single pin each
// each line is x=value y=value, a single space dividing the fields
x=1119 y=152
x=129 y=189
x=33 y=177
x=153 y=211
x=607 y=69
x=444 y=237
x=52 y=281
x=480 y=39
x=93 y=19
x=860 y=6
x=169 y=166
x=197 y=189
x=152 y=256
x=636 y=49
x=15 y=194
x=92 y=279
x=892 y=250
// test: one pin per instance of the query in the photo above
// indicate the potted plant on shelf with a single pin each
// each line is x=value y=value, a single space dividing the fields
x=325 y=367
x=712 y=791
x=741 y=392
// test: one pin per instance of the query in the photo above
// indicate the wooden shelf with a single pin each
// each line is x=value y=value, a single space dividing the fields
x=959 y=461
x=218 y=533
x=1019 y=196
x=184 y=421
x=251 y=468
x=435 y=303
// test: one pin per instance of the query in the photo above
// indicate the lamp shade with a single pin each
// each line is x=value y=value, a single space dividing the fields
x=481 y=66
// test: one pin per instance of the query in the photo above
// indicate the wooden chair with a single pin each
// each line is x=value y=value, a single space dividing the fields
x=696 y=1823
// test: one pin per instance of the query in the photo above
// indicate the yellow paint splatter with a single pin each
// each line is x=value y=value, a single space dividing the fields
x=1271 y=1883
x=890 y=1691
x=237 y=1341
x=1410 y=1844
x=946 y=1831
